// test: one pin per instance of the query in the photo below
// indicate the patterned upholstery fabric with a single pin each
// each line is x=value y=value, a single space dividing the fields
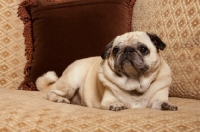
x=12 y=59
x=26 y=111
x=177 y=22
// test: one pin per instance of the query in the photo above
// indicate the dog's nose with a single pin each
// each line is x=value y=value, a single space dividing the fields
x=128 y=50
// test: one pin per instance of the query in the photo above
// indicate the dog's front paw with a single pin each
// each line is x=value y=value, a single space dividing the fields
x=167 y=106
x=116 y=107
x=63 y=100
x=56 y=98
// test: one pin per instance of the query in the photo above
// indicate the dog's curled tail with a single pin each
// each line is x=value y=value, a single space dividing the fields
x=45 y=81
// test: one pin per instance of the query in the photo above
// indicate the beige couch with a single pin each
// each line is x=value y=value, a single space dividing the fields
x=177 y=22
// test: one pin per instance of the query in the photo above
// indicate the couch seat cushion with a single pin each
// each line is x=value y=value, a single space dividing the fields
x=28 y=111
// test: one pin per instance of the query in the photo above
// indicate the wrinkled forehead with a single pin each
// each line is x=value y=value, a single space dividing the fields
x=132 y=38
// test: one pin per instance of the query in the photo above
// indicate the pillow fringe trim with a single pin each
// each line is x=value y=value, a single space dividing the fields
x=27 y=33
x=131 y=4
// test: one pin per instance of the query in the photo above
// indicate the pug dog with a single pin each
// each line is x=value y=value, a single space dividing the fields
x=129 y=74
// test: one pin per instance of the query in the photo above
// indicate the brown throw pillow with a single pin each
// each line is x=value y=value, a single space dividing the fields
x=58 y=33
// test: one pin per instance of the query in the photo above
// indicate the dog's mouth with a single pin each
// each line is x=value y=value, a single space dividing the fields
x=128 y=63
x=124 y=64
x=122 y=61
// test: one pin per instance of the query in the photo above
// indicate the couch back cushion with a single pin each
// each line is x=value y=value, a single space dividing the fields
x=58 y=33
x=177 y=22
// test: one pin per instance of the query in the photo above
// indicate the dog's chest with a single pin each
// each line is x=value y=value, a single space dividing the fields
x=131 y=99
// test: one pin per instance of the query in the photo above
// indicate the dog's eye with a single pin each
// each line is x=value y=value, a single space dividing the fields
x=144 y=50
x=115 y=50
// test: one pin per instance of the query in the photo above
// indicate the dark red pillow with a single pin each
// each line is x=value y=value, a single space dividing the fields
x=58 y=34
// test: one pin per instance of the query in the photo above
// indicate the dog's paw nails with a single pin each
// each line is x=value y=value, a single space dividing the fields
x=166 y=106
x=174 y=108
x=116 y=107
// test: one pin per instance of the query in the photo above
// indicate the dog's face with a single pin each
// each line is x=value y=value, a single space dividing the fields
x=133 y=53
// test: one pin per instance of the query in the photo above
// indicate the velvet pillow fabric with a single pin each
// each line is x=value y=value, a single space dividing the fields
x=58 y=33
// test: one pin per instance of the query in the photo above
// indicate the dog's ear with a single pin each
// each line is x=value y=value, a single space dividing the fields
x=107 y=50
x=157 y=41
